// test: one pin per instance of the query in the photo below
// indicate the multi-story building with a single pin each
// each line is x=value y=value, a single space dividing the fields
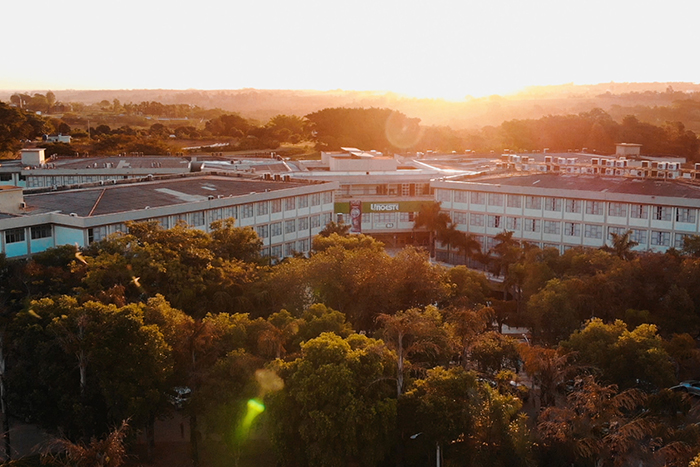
x=378 y=195
x=563 y=211
x=286 y=214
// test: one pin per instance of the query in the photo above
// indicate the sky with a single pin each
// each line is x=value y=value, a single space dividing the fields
x=435 y=49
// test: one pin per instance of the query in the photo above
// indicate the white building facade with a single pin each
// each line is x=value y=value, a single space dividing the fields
x=561 y=211
x=285 y=215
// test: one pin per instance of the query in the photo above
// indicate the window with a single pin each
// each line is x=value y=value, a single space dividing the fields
x=533 y=202
x=303 y=201
x=276 y=205
x=5 y=177
x=593 y=231
x=14 y=235
x=617 y=210
x=303 y=223
x=41 y=231
x=515 y=201
x=461 y=196
x=661 y=213
x=572 y=205
x=406 y=189
x=531 y=225
x=326 y=218
x=214 y=215
x=572 y=229
x=262 y=208
x=289 y=204
x=460 y=217
x=229 y=212
x=198 y=218
x=495 y=222
x=660 y=238
x=685 y=215
x=478 y=198
x=639 y=236
x=276 y=251
x=276 y=229
x=327 y=197
x=615 y=230
x=303 y=245
x=315 y=221
x=490 y=243
x=444 y=195
x=476 y=219
x=315 y=199
x=679 y=241
x=512 y=223
x=555 y=246
x=495 y=199
x=594 y=207
x=407 y=216
x=290 y=226
x=262 y=231
x=384 y=217
x=289 y=249
x=552 y=204
x=552 y=227
x=639 y=211
x=246 y=211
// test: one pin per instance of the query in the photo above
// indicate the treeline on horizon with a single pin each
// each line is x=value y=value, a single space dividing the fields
x=330 y=129
x=358 y=357
x=619 y=99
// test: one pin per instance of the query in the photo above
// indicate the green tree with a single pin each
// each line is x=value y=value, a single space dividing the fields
x=85 y=368
x=470 y=422
x=554 y=311
x=335 y=408
x=419 y=335
x=622 y=245
x=469 y=288
x=493 y=352
x=50 y=101
x=624 y=357
x=432 y=218
x=596 y=427
x=341 y=229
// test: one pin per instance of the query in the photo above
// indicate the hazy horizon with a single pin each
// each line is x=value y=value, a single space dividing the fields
x=439 y=50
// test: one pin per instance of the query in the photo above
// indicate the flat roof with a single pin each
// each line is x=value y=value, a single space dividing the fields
x=112 y=199
x=592 y=183
x=121 y=162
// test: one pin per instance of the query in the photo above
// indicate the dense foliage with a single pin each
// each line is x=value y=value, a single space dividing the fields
x=151 y=127
x=362 y=358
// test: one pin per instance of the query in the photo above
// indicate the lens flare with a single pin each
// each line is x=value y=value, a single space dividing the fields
x=255 y=406
x=403 y=132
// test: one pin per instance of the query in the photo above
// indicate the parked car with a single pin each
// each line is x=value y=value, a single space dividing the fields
x=691 y=387
x=179 y=395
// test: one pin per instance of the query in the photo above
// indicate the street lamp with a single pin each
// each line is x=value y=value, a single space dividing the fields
x=438 y=452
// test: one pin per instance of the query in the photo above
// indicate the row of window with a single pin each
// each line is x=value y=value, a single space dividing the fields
x=288 y=249
x=641 y=237
x=383 y=217
x=571 y=229
x=552 y=204
x=35 y=233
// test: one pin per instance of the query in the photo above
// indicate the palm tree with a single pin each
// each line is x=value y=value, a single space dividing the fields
x=597 y=424
x=431 y=217
x=469 y=246
x=622 y=245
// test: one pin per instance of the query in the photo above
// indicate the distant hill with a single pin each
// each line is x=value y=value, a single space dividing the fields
x=533 y=102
